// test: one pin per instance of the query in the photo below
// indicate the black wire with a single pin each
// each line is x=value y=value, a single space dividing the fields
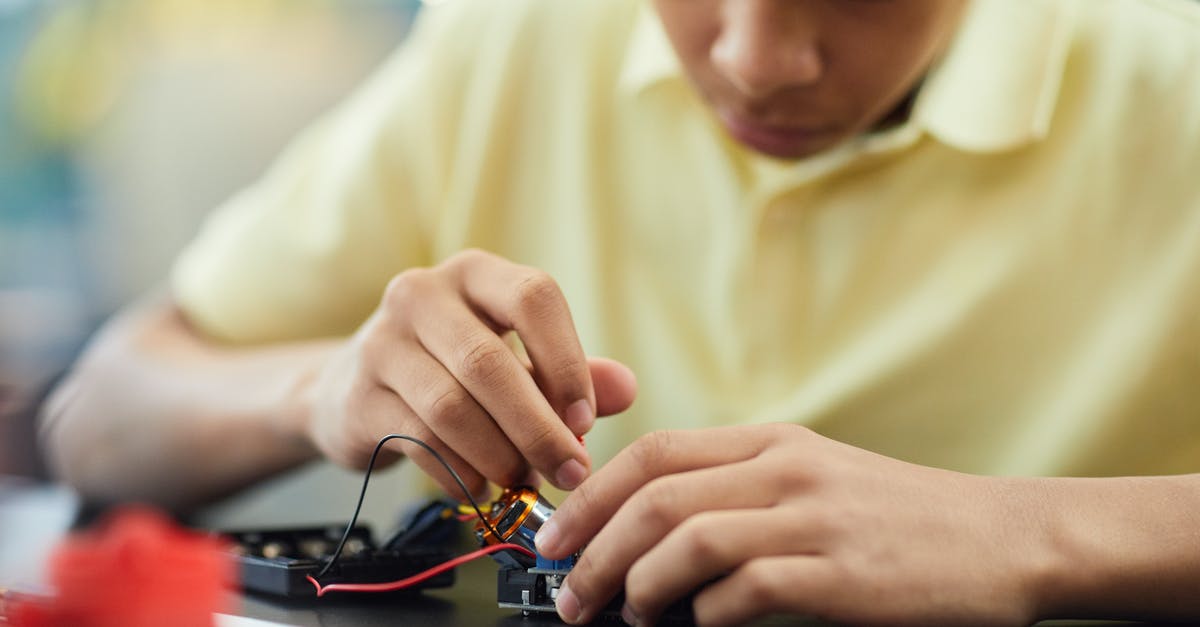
x=363 y=493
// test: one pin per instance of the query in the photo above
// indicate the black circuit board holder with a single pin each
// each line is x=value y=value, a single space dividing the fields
x=533 y=590
x=285 y=566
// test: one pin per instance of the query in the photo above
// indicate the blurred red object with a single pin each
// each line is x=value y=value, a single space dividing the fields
x=137 y=569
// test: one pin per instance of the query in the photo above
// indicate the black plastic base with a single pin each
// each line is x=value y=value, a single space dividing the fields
x=279 y=561
x=535 y=589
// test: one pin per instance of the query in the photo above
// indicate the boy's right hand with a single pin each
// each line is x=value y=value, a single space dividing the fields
x=431 y=363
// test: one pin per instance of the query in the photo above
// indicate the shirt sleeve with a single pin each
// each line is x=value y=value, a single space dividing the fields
x=306 y=251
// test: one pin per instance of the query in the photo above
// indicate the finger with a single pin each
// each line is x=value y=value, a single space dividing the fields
x=661 y=453
x=452 y=414
x=411 y=426
x=372 y=415
x=766 y=585
x=615 y=385
x=648 y=516
x=533 y=479
x=487 y=368
x=711 y=544
x=529 y=301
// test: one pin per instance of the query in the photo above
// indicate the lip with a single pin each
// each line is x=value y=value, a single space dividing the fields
x=786 y=142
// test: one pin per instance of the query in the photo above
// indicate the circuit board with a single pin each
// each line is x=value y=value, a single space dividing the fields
x=282 y=561
x=279 y=561
x=535 y=589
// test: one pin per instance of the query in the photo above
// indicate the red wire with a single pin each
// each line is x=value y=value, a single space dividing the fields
x=401 y=584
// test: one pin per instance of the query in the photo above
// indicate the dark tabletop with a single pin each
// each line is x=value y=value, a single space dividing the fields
x=471 y=602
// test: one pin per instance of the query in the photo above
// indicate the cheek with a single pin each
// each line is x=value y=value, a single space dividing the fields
x=877 y=53
x=871 y=72
x=876 y=77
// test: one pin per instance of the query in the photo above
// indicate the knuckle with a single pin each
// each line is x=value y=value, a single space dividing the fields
x=639 y=594
x=828 y=528
x=779 y=432
x=657 y=502
x=649 y=450
x=405 y=287
x=539 y=442
x=794 y=431
x=536 y=294
x=374 y=349
x=789 y=477
x=469 y=257
x=702 y=542
x=483 y=361
x=571 y=368
x=450 y=408
x=760 y=582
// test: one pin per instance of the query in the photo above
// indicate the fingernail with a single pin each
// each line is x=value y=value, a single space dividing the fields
x=546 y=539
x=570 y=474
x=567 y=605
x=580 y=417
x=628 y=615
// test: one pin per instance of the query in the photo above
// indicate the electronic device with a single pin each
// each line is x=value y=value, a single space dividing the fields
x=281 y=561
x=307 y=562
x=532 y=584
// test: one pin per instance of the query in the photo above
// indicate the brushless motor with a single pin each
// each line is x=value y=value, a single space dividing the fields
x=516 y=516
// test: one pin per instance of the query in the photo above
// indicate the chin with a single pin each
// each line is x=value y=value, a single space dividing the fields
x=781 y=143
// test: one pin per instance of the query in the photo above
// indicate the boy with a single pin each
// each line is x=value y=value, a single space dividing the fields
x=959 y=234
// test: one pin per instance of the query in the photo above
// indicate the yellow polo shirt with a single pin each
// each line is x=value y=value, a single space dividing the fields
x=1009 y=283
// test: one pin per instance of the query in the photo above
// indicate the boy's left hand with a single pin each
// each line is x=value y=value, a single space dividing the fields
x=787 y=521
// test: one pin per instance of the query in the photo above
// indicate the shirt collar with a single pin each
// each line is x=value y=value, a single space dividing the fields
x=998 y=84
x=651 y=58
x=994 y=90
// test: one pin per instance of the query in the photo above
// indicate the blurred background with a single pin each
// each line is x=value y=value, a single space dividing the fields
x=122 y=123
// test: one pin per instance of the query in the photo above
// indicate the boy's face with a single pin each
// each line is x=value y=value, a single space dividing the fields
x=790 y=78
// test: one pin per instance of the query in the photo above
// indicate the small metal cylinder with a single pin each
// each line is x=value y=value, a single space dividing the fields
x=516 y=516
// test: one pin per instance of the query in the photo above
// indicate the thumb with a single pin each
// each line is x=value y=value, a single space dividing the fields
x=615 y=385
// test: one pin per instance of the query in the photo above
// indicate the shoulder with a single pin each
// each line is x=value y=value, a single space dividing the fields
x=492 y=31
x=1144 y=44
x=1134 y=75
x=1144 y=36
x=488 y=64
x=1182 y=16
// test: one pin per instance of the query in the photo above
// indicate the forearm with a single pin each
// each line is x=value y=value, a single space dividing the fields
x=153 y=412
x=1124 y=547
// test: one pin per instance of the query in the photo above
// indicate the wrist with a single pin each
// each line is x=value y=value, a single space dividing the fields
x=1031 y=535
x=300 y=401
x=1047 y=547
x=1116 y=548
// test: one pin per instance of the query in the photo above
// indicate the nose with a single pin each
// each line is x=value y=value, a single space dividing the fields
x=764 y=47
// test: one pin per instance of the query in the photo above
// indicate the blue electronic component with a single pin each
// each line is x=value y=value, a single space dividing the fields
x=563 y=564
